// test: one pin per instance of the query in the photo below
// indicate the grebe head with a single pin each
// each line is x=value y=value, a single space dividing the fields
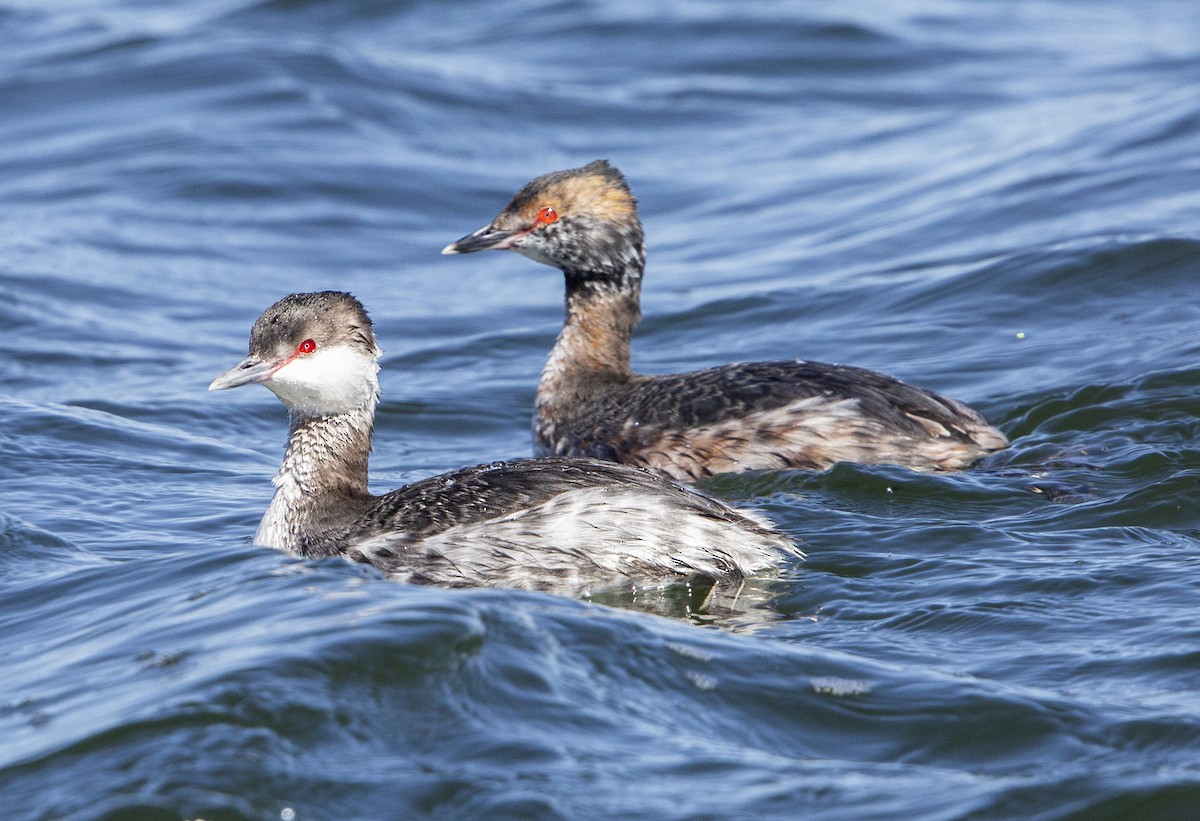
x=583 y=221
x=316 y=352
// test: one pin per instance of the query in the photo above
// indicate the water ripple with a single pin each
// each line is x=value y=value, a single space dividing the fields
x=997 y=202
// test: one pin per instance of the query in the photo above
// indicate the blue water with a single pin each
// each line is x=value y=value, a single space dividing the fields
x=993 y=199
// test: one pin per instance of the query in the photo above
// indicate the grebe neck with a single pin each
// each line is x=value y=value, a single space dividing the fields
x=323 y=478
x=593 y=346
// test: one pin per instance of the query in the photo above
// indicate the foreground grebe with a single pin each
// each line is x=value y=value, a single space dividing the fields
x=762 y=415
x=565 y=525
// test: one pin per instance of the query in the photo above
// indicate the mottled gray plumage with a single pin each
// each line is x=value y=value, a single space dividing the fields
x=690 y=426
x=765 y=412
x=562 y=524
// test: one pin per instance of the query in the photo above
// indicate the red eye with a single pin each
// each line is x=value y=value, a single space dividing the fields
x=307 y=346
x=547 y=215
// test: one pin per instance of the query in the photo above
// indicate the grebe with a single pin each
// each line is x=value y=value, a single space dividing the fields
x=562 y=525
x=689 y=426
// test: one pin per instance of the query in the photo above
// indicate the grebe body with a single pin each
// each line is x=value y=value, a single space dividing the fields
x=689 y=426
x=565 y=525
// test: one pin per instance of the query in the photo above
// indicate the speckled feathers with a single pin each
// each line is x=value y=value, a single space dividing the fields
x=596 y=190
x=331 y=318
x=690 y=426
x=596 y=238
x=763 y=416
x=563 y=525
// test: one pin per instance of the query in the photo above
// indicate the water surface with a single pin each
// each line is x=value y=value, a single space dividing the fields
x=992 y=199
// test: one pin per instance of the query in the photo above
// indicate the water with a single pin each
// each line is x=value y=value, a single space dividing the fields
x=992 y=199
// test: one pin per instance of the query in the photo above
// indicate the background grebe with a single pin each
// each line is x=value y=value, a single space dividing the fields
x=564 y=525
x=762 y=415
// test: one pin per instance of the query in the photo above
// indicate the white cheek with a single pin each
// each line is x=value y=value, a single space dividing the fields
x=330 y=381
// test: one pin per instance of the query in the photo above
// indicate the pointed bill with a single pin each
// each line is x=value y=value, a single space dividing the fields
x=486 y=238
x=247 y=372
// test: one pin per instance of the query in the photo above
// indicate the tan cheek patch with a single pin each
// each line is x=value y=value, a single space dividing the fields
x=591 y=195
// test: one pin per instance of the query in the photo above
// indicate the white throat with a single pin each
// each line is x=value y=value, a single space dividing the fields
x=331 y=396
x=331 y=381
